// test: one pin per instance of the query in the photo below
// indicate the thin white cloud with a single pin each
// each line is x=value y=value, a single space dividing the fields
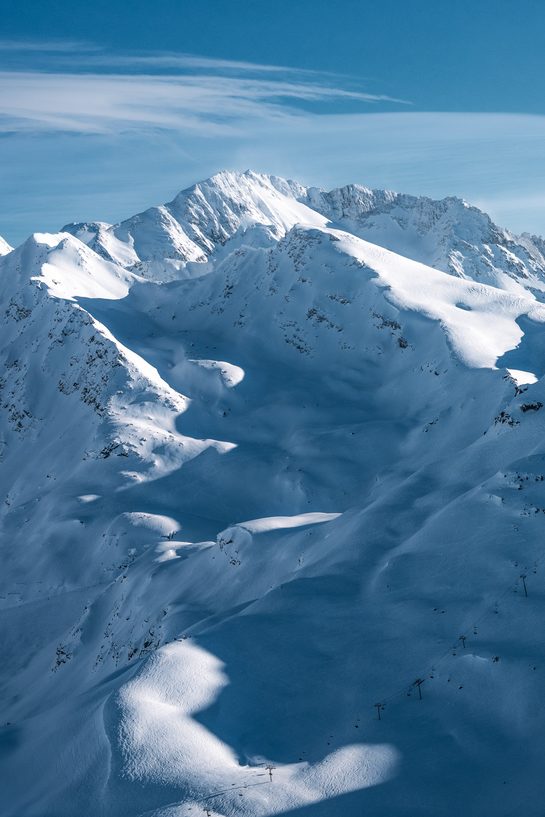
x=88 y=56
x=103 y=103
x=47 y=46
x=164 y=60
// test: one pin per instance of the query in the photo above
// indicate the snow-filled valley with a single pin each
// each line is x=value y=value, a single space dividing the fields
x=272 y=468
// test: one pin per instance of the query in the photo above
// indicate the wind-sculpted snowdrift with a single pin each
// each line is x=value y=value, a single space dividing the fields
x=273 y=480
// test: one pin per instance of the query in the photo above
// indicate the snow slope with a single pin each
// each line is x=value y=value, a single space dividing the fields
x=272 y=469
x=449 y=235
x=4 y=246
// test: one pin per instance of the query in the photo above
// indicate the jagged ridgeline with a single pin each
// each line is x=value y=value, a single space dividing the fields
x=272 y=468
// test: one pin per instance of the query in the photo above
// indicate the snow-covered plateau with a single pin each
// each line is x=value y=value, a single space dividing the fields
x=272 y=480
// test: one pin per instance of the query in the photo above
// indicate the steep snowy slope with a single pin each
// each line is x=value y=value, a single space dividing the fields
x=72 y=395
x=4 y=246
x=272 y=530
x=449 y=235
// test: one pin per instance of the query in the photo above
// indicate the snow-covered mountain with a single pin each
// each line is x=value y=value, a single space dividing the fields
x=448 y=235
x=272 y=465
x=162 y=241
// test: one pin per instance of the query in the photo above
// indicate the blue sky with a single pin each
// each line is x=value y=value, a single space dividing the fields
x=108 y=107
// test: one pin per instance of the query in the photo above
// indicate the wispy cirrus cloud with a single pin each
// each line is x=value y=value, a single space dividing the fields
x=172 y=60
x=87 y=56
x=104 y=93
x=100 y=103
x=47 y=46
